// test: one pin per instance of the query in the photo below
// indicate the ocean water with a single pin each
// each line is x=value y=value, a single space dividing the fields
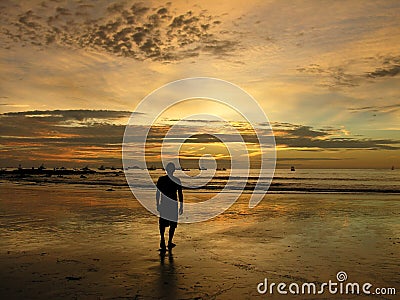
x=300 y=181
x=284 y=180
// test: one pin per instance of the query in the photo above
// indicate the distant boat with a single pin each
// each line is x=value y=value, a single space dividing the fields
x=113 y=168
x=292 y=169
x=202 y=169
x=102 y=168
x=42 y=167
x=85 y=169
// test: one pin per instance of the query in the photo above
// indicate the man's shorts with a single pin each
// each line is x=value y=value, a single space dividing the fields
x=166 y=223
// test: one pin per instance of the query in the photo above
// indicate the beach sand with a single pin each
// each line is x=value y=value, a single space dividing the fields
x=84 y=242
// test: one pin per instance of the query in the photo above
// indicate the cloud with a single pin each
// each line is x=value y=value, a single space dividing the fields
x=332 y=77
x=339 y=143
x=7 y=105
x=306 y=131
x=351 y=72
x=139 y=30
x=308 y=138
x=70 y=137
x=385 y=72
x=389 y=67
x=308 y=158
x=83 y=127
x=377 y=108
x=64 y=115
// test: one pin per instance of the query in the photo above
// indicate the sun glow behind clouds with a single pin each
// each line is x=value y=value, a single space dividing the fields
x=202 y=129
x=206 y=107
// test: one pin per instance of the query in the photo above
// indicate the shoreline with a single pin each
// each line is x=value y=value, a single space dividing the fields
x=273 y=188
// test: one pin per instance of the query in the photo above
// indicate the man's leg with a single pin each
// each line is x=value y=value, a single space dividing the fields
x=162 y=231
x=171 y=235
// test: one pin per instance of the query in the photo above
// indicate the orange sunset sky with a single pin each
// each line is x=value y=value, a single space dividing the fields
x=326 y=73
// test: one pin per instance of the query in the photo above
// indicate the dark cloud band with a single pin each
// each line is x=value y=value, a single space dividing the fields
x=87 y=135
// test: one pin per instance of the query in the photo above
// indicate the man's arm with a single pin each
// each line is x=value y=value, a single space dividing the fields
x=180 y=197
x=158 y=197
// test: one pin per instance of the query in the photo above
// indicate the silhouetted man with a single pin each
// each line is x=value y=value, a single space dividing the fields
x=170 y=188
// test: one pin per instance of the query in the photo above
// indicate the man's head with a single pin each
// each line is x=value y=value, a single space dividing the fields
x=170 y=168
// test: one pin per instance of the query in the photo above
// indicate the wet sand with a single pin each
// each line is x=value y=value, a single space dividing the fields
x=84 y=242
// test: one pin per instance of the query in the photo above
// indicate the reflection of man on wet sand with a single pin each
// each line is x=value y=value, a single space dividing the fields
x=170 y=188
